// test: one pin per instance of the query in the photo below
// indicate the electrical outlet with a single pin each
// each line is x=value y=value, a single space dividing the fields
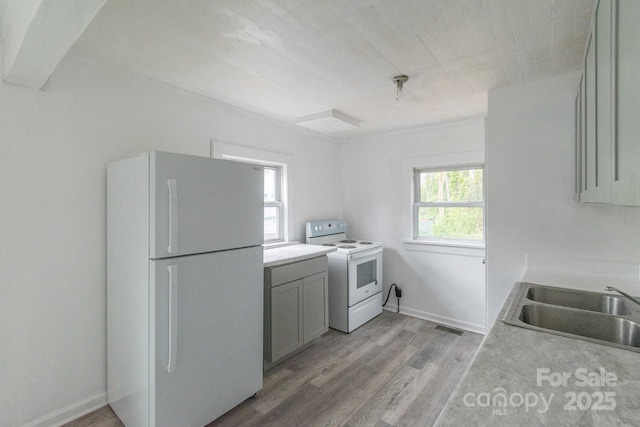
x=398 y=292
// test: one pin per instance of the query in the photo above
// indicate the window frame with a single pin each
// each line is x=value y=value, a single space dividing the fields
x=245 y=154
x=417 y=204
x=278 y=203
x=441 y=160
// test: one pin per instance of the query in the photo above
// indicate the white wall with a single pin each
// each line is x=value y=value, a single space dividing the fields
x=440 y=284
x=533 y=220
x=55 y=145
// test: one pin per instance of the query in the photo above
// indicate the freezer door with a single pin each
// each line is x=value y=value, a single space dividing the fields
x=202 y=205
x=207 y=350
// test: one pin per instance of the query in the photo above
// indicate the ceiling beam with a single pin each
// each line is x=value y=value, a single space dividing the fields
x=37 y=34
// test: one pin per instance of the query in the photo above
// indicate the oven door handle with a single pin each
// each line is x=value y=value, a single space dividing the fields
x=364 y=254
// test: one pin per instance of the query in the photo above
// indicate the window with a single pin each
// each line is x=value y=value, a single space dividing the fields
x=449 y=204
x=273 y=206
x=278 y=186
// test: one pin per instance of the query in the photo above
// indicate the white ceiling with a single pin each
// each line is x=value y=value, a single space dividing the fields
x=291 y=58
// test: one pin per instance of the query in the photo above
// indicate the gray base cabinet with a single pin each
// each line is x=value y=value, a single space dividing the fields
x=315 y=307
x=286 y=319
x=296 y=306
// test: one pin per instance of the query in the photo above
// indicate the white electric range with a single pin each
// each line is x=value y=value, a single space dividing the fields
x=355 y=274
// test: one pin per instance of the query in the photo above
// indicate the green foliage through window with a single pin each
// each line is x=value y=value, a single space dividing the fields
x=449 y=204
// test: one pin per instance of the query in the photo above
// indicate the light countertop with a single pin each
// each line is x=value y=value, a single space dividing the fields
x=293 y=253
x=522 y=377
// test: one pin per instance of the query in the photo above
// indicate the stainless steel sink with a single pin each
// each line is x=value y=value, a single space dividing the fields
x=592 y=301
x=590 y=316
x=585 y=324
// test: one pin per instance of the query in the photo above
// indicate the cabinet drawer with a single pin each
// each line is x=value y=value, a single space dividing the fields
x=290 y=272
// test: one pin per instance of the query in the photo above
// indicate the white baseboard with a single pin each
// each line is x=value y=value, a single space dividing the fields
x=446 y=321
x=71 y=412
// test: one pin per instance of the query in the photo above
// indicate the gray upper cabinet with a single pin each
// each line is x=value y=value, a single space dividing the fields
x=607 y=107
x=603 y=136
x=590 y=146
x=579 y=145
x=595 y=147
x=626 y=152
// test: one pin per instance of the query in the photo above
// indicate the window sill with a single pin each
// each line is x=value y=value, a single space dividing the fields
x=453 y=248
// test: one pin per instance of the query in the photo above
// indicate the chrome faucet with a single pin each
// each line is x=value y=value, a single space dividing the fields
x=611 y=288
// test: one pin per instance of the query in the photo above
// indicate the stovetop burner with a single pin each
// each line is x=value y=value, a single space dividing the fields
x=333 y=234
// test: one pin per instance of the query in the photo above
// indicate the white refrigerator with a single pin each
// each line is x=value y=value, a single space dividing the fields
x=184 y=288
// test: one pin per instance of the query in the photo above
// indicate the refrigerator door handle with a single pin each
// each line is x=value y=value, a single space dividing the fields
x=173 y=317
x=173 y=216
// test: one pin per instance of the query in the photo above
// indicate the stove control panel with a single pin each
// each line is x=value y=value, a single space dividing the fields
x=326 y=228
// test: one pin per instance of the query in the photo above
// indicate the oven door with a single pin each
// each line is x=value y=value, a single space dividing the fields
x=365 y=275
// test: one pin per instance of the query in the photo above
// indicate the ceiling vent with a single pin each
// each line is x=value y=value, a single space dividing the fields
x=328 y=122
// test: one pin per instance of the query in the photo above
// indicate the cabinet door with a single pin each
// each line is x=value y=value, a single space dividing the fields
x=603 y=140
x=626 y=154
x=286 y=319
x=316 y=306
x=590 y=150
x=578 y=142
x=583 y=137
x=598 y=108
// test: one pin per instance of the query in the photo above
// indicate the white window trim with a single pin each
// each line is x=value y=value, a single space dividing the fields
x=241 y=153
x=439 y=161
x=279 y=204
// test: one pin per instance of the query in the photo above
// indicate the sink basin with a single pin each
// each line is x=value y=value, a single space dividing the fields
x=583 y=323
x=589 y=316
x=582 y=300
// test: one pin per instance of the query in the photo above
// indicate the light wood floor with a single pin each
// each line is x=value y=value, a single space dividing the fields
x=394 y=371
